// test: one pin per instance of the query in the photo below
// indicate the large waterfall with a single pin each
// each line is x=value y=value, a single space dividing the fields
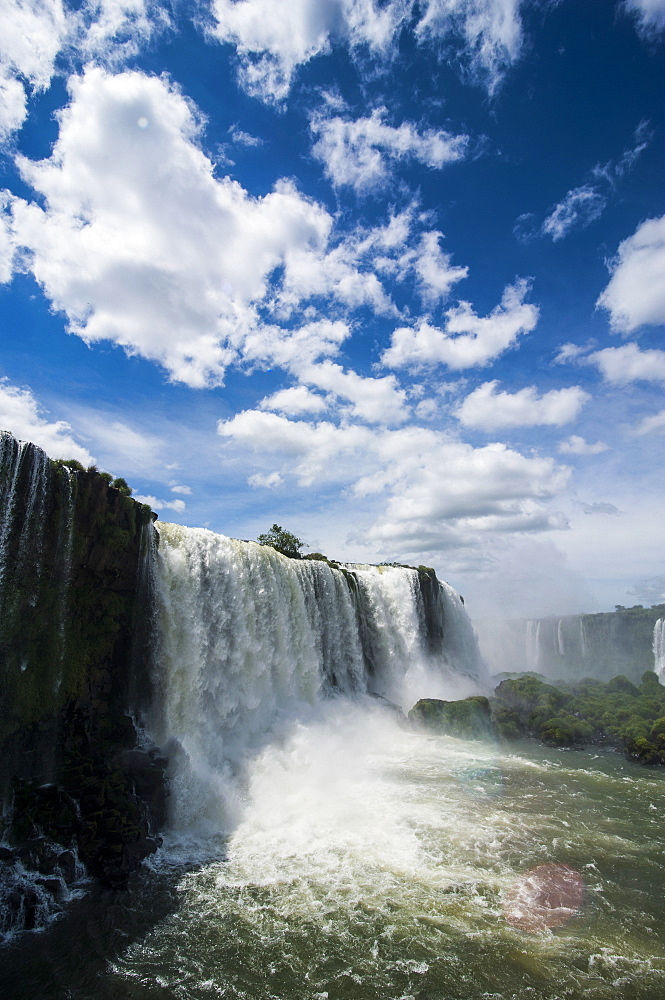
x=248 y=640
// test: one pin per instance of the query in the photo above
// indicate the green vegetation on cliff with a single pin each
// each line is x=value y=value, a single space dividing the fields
x=74 y=662
x=619 y=714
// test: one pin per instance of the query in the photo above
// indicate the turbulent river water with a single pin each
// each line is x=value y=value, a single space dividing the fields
x=373 y=862
x=321 y=848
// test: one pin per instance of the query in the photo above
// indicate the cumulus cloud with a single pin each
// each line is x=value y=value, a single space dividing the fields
x=375 y=400
x=568 y=353
x=32 y=35
x=628 y=363
x=356 y=152
x=430 y=492
x=22 y=416
x=35 y=33
x=433 y=269
x=467 y=340
x=115 y=30
x=635 y=295
x=177 y=505
x=295 y=401
x=581 y=206
x=179 y=488
x=273 y=40
x=650 y=15
x=654 y=424
x=487 y=409
x=576 y=445
x=138 y=243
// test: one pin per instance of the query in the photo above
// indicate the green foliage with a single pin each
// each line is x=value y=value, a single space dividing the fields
x=282 y=540
x=70 y=463
x=622 y=684
x=618 y=713
x=468 y=718
x=121 y=484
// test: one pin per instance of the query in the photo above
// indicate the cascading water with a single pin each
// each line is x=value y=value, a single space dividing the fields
x=659 y=649
x=250 y=640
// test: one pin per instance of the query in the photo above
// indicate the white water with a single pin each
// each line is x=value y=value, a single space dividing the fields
x=13 y=456
x=659 y=649
x=250 y=641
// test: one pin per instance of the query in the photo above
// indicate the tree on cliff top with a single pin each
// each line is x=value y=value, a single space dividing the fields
x=282 y=540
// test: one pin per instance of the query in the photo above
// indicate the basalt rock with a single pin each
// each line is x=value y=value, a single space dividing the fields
x=75 y=620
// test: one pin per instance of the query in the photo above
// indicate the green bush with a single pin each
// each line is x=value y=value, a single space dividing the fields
x=282 y=540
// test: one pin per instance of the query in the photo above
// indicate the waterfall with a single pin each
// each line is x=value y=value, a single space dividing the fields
x=561 y=649
x=533 y=644
x=36 y=541
x=23 y=488
x=249 y=640
x=659 y=649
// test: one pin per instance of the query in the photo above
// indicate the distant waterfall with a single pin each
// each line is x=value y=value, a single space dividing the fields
x=659 y=649
x=249 y=639
x=533 y=644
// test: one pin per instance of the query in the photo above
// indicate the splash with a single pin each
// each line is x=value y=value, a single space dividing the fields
x=250 y=641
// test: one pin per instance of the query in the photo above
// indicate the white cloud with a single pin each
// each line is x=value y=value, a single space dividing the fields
x=576 y=445
x=625 y=364
x=288 y=348
x=581 y=206
x=244 y=138
x=584 y=204
x=179 y=488
x=654 y=424
x=32 y=34
x=115 y=30
x=468 y=340
x=273 y=40
x=295 y=401
x=427 y=491
x=434 y=271
x=375 y=400
x=569 y=353
x=177 y=505
x=650 y=15
x=22 y=416
x=139 y=244
x=7 y=241
x=355 y=153
x=268 y=480
x=491 y=29
x=487 y=409
x=35 y=32
x=636 y=293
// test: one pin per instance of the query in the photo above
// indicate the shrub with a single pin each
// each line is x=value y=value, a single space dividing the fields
x=282 y=540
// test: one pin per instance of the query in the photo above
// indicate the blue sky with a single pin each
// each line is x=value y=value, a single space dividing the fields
x=391 y=274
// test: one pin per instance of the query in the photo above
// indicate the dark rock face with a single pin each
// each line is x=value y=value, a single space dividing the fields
x=75 y=619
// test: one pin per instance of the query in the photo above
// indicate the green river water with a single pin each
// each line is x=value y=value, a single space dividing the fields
x=368 y=861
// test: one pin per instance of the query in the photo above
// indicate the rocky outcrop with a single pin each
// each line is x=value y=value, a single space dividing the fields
x=469 y=718
x=75 y=617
